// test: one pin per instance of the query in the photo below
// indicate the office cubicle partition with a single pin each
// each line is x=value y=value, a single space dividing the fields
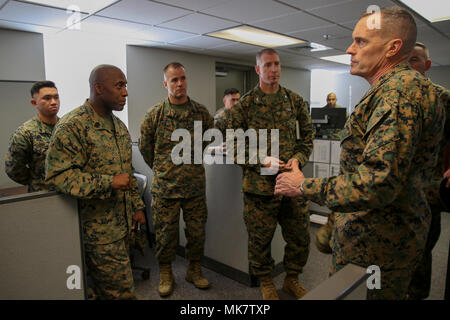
x=41 y=249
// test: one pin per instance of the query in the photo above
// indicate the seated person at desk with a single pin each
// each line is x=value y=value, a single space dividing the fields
x=331 y=101
x=25 y=159
x=333 y=134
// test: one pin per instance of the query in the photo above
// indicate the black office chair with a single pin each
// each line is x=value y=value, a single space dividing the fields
x=142 y=185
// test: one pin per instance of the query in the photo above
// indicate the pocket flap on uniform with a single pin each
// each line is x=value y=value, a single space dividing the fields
x=381 y=130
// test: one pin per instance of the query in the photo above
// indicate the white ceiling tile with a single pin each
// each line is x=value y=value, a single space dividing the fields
x=292 y=22
x=247 y=11
x=203 y=42
x=195 y=5
x=443 y=26
x=163 y=35
x=308 y=63
x=350 y=24
x=316 y=54
x=27 y=27
x=286 y=55
x=317 y=34
x=142 y=11
x=34 y=14
x=312 y=4
x=237 y=47
x=348 y=11
x=340 y=44
x=112 y=27
x=198 y=23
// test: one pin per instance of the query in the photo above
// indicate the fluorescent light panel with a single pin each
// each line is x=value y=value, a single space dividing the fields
x=88 y=6
x=343 y=58
x=432 y=10
x=254 y=36
x=318 y=47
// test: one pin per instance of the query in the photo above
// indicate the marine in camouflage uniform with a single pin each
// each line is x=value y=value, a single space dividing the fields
x=419 y=287
x=230 y=98
x=262 y=211
x=25 y=160
x=389 y=148
x=176 y=186
x=86 y=154
x=421 y=280
x=220 y=121
x=285 y=111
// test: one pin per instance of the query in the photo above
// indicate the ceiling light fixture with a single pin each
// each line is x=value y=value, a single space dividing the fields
x=318 y=47
x=254 y=36
x=86 y=6
x=432 y=10
x=342 y=58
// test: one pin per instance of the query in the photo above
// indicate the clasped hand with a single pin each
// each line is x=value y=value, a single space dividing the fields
x=288 y=183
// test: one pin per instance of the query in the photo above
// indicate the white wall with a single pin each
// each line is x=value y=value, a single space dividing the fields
x=297 y=80
x=69 y=58
x=145 y=80
x=349 y=89
x=21 y=64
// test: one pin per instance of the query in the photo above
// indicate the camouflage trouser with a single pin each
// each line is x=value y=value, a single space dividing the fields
x=396 y=268
x=261 y=214
x=109 y=268
x=394 y=282
x=420 y=285
x=166 y=216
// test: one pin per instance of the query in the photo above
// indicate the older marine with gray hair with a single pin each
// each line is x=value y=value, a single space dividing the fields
x=389 y=150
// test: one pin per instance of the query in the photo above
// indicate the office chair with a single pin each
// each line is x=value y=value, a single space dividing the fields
x=142 y=185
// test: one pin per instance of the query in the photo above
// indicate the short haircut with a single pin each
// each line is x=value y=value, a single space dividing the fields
x=174 y=65
x=41 y=84
x=98 y=73
x=265 y=50
x=424 y=47
x=398 y=22
x=230 y=91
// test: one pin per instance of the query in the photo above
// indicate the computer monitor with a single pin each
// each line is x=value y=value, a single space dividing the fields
x=328 y=119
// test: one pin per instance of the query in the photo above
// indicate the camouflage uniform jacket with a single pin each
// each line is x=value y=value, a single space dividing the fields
x=220 y=120
x=82 y=160
x=25 y=160
x=389 y=150
x=171 y=180
x=281 y=111
x=432 y=190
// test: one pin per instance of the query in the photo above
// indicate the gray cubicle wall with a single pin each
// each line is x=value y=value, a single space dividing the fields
x=15 y=109
x=40 y=248
x=21 y=55
x=21 y=64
